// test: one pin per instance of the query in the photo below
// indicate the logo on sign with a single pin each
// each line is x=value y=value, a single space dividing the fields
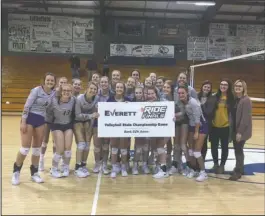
x=119 y=113
x=154 y=112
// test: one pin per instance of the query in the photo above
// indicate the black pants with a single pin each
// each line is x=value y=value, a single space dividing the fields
x=204 y=148
x=239 y=155
x=219 y=134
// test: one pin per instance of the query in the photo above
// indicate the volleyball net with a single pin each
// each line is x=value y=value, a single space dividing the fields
x=255 y=82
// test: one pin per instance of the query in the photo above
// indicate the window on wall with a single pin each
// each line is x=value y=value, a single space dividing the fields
x=130 y=28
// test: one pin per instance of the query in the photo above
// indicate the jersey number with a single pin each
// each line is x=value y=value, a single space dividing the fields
x=67 y=112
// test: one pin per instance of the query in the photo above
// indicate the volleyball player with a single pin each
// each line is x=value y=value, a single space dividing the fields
x=115 y=77
x=32 y=127
x=136 y=75
x=77 y=86
x=95 y=78
x=181 y=129
x=198 y=129
x=153 y=77
x=61 y=111
x=101 y=145
x=130 y=87
x=47 y=129
x=118 y=142
x=141 y=144
x=158 y=142
x=85 y=110
x=160 y=83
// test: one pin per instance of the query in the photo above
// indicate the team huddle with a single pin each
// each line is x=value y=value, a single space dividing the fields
x=61 y=108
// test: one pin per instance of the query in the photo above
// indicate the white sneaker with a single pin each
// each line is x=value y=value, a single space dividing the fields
x=36 y=178
x=80 y=173
x=66 y=171
x=15 y=178
x=173 y=170
x=186 y=171
x=124 y=171
x=113 y=174
x=145 y=169
x=85 y=170
x=55 y=173
x=105 y=169
x=135 y=170
x=97 y=167
x=202 y=176
x=155 y=169
x=117 y=168
x=161 y=174
x=41 y=165
x=191 y=174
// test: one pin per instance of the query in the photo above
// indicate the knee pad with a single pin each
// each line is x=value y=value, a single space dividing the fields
x=24 y=151
x=68 y=154
x=191 y=152
x=183 y=147
x=197 y=154
x=105 y=147
x=81 y=146
x=138 y=150
x=124 y=151
x=114 y=150
x=96 y=149
x=36 y=151
x=87 y=147
x=161 y=150
x=44 y=144
x=146 y=147
x=57 y=157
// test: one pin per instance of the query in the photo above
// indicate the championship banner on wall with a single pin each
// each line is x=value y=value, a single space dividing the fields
x=139 y=119
x=197 y=48
x=141 y=50
x=50 y=34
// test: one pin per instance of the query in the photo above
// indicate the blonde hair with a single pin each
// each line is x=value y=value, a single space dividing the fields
x=60 y=90
x=244 y=85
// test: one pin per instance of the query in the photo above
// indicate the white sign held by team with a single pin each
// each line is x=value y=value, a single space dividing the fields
x=137 y=119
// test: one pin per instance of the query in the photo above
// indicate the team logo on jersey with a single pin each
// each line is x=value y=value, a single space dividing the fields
x=154 y=112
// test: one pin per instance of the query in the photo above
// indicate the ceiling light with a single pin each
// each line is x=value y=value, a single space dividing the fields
x=197 y=3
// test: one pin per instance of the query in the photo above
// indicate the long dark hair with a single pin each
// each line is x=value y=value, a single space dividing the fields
x=229 y=94
x=206 y=82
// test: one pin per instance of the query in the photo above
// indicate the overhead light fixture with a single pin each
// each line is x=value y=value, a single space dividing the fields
x=197 y=3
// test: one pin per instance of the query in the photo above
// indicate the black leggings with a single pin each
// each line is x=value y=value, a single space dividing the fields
x=239 y=155
x=204 y=148
x=221 y=134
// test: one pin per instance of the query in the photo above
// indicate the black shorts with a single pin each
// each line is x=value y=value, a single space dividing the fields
x=62 y=127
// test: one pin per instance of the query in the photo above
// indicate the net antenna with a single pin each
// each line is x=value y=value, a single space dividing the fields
x=192 y=67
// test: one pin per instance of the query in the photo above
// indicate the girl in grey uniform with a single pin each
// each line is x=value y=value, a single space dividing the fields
x=32 y=127
x=60 y=113
x=141 y=144
x=158 y=143
x=77 y=86
x=101 y=145
x=181 y=128
x=198 y=130
x=47 y=129
x=85 y=110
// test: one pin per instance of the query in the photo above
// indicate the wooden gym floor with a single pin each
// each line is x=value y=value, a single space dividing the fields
x=99 y=194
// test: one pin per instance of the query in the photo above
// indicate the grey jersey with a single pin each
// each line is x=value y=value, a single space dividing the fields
x=59 y=112
x=194 y=112
x=84 y=109
x=37 y=102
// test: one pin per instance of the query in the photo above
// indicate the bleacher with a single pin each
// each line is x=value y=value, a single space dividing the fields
x=19 y=76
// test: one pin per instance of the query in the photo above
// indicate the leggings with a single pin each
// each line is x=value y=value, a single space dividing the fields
x=219 y=134
x=239 y=155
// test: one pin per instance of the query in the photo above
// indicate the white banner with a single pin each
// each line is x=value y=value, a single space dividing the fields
x=61 y=28
x=217 y=47
x=142 y=50
x=197 y=48
x=84 y=48
x=136 y=119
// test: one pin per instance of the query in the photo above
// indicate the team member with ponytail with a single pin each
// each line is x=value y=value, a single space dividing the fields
x=158 y=142
x=47 y=129
x=85 y=110
x=32 y=127
x=101 y=145
x=118 y=142
x=60 y=112
x=141 y=144
x=77 y=86
x=198 y=129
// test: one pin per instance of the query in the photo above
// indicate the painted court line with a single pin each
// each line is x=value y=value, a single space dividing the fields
x=96 y=195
